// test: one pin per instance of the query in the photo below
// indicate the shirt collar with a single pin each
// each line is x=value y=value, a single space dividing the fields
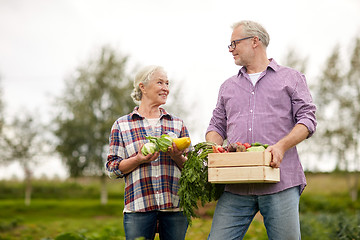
x=272 y=65
x=135 y=113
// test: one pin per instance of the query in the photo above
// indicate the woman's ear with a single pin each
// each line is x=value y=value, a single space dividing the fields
x=142 y=87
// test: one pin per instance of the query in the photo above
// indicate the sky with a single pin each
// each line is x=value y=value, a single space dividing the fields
x=42 y=42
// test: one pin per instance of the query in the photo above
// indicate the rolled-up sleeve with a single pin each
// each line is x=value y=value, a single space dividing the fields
x=114 y=156
x=112 y=167
x=218 y=121
x=303 y=106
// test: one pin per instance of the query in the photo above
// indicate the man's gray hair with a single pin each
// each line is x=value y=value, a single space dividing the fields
x=251 y=28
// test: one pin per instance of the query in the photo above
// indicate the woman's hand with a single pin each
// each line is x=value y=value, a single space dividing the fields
x=146 y=159
x=174 y=152
x=129 y=164
x=177 y=155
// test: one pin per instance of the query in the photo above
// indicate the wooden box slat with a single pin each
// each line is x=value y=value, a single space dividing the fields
x=234 y=159
x=258 y=174
x=242 y=167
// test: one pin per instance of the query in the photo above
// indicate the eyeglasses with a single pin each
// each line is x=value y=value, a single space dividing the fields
x=233 y=43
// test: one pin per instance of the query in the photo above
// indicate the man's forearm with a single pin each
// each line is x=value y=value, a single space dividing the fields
x=214 y=137
x=298 y=134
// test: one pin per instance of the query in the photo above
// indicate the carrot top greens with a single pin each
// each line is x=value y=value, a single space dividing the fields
x=194 y=185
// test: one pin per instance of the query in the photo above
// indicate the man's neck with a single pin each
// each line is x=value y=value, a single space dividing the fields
x=258 y=66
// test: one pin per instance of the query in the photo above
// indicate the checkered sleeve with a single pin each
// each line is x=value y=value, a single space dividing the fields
x=116 y=150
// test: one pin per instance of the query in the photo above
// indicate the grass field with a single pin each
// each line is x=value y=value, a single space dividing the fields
x=74 y=208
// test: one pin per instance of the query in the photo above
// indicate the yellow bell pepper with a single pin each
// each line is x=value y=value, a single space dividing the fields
x=182 y=143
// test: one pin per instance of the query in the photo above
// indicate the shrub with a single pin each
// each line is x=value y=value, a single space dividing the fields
x=320 y=203
x=68 y=189
x=9 y=224
x=330 y=226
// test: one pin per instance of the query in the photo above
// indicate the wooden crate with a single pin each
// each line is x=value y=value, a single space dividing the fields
x=241 y=167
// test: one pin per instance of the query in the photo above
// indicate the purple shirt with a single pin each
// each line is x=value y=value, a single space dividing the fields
x=265 y=113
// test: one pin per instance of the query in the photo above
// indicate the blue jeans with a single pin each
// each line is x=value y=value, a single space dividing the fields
x=172 y=225
x=234 y=213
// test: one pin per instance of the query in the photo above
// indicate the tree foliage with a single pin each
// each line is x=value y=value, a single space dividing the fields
x=337 y=97
x=23 y=142
x=338 y=101
x=94 y=97
x=293 y=60
x=1 y=109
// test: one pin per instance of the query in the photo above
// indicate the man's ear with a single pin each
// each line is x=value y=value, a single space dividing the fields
x=256 y=41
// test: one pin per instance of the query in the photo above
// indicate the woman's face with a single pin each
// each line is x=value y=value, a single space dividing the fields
x=157 y=89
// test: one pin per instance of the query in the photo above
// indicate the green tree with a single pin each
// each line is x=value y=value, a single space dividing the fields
x=352 y=107
x=2 y=142
x=293 y=60
x=23 y=143
x=329 y=134
x=94 y=97
x=338 y=97
x=1 y=109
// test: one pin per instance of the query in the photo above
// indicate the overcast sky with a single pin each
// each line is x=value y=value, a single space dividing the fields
x=43 y=41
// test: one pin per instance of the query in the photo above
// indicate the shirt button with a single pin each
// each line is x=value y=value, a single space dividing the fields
x=251 y=110
x=252 y=93
x=250 y=129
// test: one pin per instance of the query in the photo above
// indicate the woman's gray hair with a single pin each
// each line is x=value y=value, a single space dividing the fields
x=250 y=28
x=143 y=76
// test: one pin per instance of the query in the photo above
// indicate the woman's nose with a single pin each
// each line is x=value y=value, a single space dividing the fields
x=165 y=87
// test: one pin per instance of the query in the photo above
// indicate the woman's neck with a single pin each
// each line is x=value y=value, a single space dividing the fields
x=149 y=111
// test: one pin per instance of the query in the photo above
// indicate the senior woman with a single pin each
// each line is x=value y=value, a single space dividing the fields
x=151 y=181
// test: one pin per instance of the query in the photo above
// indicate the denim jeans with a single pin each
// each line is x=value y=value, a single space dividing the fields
x=172 y=225
x=234 y=213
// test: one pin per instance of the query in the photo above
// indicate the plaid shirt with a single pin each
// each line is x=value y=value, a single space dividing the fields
x=154 y=185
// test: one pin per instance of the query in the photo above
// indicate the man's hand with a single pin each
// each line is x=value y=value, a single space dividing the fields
x=277 y=155
x=296 y=135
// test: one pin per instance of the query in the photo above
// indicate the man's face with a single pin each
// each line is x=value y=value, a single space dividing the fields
x=242 y=48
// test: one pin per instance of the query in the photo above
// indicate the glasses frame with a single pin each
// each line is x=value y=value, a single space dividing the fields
x=233 y=43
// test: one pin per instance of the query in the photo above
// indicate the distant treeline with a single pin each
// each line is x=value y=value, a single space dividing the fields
x=68 y=189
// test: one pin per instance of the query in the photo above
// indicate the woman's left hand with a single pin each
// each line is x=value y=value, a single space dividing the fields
x=174 y=152
x=177 y=155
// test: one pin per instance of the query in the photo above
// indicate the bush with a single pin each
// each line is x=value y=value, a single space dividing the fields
x=70 y=236
x=9 y=225
x=330 y=226
x=68 y=189
x=320 y=203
